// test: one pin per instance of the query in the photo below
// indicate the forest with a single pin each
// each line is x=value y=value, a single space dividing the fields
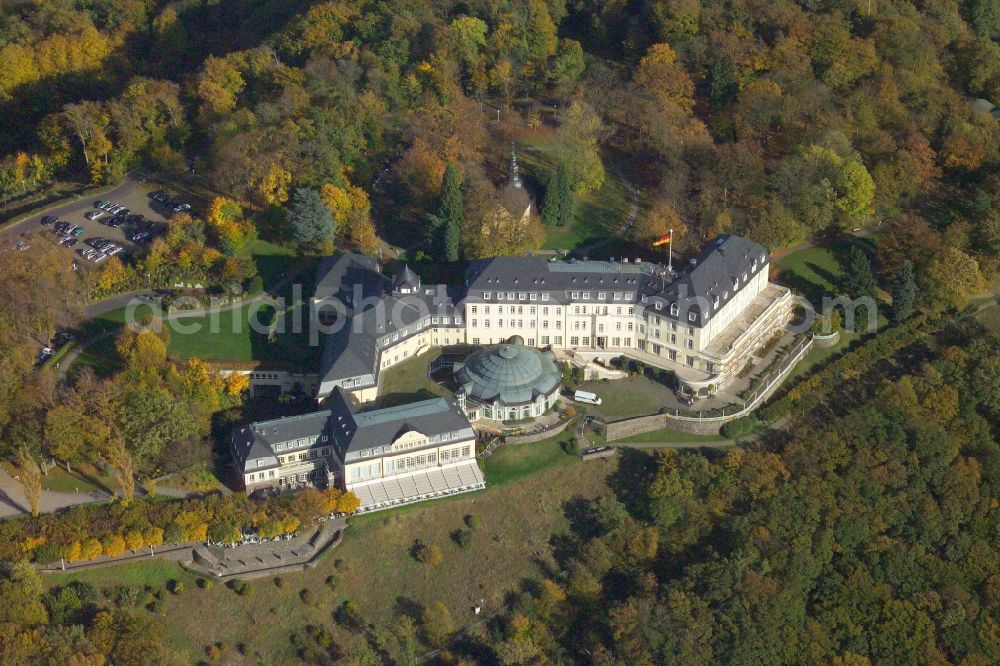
x=865 y=533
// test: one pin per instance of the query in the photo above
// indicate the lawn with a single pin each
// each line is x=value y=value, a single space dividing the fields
x=84 y=478
x=241 y=334
x=515 y=461
x=197 y=479
x=408 y=381
x=819 y=355
x=631 y=396
x=597 y=215
x=814 y=271
x=668 y=435
x=374 y=567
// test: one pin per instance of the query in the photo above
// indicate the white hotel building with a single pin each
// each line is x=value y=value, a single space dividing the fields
x=702 y=322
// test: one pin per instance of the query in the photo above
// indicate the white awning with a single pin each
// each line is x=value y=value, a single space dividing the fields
x=452 y=479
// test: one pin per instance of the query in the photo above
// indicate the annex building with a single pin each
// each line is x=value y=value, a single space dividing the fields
x=387 y=457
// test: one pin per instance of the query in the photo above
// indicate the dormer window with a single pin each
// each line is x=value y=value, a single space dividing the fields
x=659 y=306
x=673 y=309
x=692 y=316
x=486 y=295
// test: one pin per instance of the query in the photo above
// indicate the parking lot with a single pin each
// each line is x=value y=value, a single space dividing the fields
x=131 y=194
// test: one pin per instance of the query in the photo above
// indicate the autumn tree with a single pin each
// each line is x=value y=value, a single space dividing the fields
x=119 y=457
x=30 y=476
x=437 y=623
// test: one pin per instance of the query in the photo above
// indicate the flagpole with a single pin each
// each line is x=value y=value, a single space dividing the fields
x=670 y=253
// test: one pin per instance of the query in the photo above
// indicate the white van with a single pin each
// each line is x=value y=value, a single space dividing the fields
x=587 y=397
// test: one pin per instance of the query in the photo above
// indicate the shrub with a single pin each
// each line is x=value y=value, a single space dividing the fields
x=125 y=595
x=572 y=446
x=155 y=606
x=47 y=553
x=90 y=549
x=88 y=593
x=176 y=587
x=113 y=546
x=204 y=584
x=473 y=521
x=741 y=426
x=278 y=582
x=331 y=582
x=307 y=596
x=429 y=554
x=239 y=586
x=255 y=284
x=462 y=537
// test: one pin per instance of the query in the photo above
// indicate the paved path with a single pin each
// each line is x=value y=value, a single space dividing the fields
x=14 y=503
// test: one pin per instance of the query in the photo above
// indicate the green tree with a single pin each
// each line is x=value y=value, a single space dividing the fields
x=312 y=220
x=558 y=208
x=857 y=190
x=985 y=16
x=450 y=212
x=437 y=623
x=725 y=86
x=859 y=280
x=151 y=418
x=904 y=292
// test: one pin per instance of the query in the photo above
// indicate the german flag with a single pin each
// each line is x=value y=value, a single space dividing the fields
x=662 y=240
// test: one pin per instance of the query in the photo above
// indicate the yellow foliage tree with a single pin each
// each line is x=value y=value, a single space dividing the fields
x=112 y=276
x=348 y=503
x=90 y=549
x=113 y=546
x=134 y=540
x=237 y=383
x=273 y=188
x=153 y=536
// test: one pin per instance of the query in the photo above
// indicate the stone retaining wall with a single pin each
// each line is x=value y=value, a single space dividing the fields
x=537 y=436
x=617 y=430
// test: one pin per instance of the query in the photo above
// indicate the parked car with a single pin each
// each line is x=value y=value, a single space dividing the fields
x=103 y=205
x=181 y=208
x=45 y=354
x=68 y=241
x=49 y=219
x=94 y=215
x=21 y=245
x=78 y=231
x=61 y=226
x=135 y=218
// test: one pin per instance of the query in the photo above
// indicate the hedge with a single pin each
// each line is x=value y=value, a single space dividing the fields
x=814 y=389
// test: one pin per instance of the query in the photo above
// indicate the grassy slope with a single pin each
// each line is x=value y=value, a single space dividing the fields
x=374 y=568
x=598 y=214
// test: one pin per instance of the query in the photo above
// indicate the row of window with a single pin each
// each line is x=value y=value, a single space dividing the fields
x=426 y=322
x=305 y=455
x=408 y=464
x=520 y=296
x=296 y=443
